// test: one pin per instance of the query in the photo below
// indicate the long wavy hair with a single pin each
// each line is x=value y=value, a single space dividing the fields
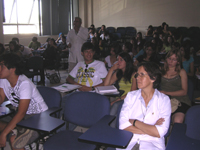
x=179 y=61
x=130 y=69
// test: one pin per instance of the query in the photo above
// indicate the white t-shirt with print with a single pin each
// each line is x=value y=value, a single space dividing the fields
x=24 y=89
x=91 y=75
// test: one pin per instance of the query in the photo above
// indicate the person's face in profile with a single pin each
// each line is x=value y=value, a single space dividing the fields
x=121 y=63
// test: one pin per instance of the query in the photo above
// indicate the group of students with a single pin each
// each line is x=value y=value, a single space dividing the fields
x=146 y=84
x=146 y=111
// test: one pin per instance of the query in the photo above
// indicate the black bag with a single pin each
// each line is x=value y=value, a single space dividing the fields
x=53 y=78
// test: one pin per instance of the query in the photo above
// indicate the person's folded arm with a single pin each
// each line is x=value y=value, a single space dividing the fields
x=160 y=128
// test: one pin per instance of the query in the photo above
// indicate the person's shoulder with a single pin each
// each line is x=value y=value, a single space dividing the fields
x=182 y=72
x=134 y=93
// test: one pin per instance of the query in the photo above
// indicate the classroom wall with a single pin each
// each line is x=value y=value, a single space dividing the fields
x=141 y=13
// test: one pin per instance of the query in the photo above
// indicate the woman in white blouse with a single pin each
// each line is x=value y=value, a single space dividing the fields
x=146 y=112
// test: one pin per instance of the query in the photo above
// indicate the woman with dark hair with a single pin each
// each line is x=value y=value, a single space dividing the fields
x=140 y=41
x=111 y=59
x=146 y=111
x=14 y=48
x=175 y=84
x=124 y=72
x=187 y=61
x=149 y=55
x=127 y=47
x=166 y=30
x=50 y=54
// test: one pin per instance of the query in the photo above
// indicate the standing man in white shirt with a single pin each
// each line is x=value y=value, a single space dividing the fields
x=75 y=39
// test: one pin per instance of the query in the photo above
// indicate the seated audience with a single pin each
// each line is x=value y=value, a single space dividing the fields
x=146 y=112
x=175 y=84
x=187 y=61
x=123 y=73
x=59 y=39
x=89 y=73
x=34 y=44
x=111 y=59
x=14 y=48
x=150 y=31
x=50 y=54
x=166 y=30
x=23 y=96
x=127 y=47
x=25 y=51
x=140 y=41
x=91 y=34
x=149 y=55
x=98 y=53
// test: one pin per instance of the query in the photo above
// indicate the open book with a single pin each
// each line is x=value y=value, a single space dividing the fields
x=111 y=89
x=66 y=87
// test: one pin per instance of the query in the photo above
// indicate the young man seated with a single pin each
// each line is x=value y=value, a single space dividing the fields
x=25 y=99
x=90 y=73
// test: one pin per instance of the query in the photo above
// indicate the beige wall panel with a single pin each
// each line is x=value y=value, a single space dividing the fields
x=141 y=13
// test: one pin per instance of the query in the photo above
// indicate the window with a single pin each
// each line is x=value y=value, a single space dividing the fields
x=21 y=16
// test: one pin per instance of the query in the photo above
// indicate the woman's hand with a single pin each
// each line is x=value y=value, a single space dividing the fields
x=115 y=66
x=160 y=121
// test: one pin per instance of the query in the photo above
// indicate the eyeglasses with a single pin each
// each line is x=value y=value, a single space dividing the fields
x=140 y=74
x=171 y=59
x=86 y=67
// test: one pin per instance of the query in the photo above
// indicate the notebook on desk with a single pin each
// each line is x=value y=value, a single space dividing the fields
x=111 y=89
x=66 y=87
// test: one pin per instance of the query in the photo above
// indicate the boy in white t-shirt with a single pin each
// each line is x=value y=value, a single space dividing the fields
x=24 y=97
x=89 y=73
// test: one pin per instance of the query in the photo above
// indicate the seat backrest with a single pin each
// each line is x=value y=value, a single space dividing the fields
x=110 y=30
x=192 y=120
x=131 y=31
x=35 y=62
x=85 y=108
x=51 y=96
x=121 y=30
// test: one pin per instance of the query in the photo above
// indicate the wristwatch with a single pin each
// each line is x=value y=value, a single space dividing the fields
x=134 y=122
x=93 y=88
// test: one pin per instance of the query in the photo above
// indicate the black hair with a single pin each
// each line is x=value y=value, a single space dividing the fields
x=34 y=39
x=12 y=60
x=16 y=46
x=64 y=37
x=153 y=72
x=86 y=46
x=117 y=48
x=130 y=69
x=129 y=46
x=15 y=39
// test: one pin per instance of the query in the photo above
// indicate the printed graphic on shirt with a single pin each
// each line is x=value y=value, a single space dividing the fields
x=85 y=76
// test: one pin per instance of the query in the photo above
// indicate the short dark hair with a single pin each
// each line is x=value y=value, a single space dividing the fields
x=15 y=39
x=117 y=48
x=34 y=39
x=86 y=46
x=12 y=60
x=153 y=72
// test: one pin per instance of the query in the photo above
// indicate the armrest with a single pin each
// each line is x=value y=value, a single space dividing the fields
x=52 y=110
x=102 y=134
x=179 y=141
